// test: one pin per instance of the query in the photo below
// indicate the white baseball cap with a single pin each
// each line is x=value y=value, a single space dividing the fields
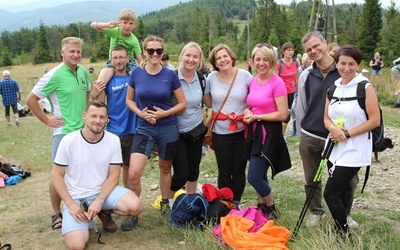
x=6 y=73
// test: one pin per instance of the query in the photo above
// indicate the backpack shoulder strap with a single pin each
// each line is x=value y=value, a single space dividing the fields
x=202 y=80
x=330 y=91
x=296 y=63
x=361 y=93
x=280 y=61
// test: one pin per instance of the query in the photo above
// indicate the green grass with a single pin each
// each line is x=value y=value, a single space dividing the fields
x=25 y=208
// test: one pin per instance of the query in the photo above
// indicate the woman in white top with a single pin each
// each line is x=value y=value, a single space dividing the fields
x=228 y=132
x=349 y=128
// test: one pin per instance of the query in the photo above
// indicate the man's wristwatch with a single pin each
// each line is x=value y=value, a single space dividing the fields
x=346 y=133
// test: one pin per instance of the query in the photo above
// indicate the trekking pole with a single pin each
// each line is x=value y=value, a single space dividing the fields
x=317 y=179
x=84 y=206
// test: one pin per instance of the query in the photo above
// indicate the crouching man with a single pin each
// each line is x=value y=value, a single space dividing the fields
x=87 y=165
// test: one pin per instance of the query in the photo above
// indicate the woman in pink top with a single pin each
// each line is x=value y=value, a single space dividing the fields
x=267 y=108
x=287 y=69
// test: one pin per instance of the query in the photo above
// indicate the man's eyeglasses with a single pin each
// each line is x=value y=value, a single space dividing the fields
x=118 y=58
x=158 y=51
x=314 y=47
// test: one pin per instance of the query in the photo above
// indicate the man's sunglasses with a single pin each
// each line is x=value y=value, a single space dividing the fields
x=158 y=51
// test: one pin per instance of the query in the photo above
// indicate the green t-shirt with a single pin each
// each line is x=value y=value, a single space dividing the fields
x=67 y=95
x=131 y=43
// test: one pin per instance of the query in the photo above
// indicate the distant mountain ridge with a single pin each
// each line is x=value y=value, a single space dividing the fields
x=79 y=12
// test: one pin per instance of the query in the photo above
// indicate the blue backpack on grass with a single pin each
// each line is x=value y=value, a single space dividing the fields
x=189 y=210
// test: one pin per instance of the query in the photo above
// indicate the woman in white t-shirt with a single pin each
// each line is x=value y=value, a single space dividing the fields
x=349 y=128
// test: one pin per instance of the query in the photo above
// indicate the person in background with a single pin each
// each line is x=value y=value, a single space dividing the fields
x=122 y=121
x=120 y=33
x=305 y=63
x=267 y=108
x=67 y=85
x=364 y=72
x=149 y=96
x=228 y=133
x=250 y=65
x=46 y=70
x=313 y=85
x=186 y=163
x=287 y=69
x=93 y=152
x=332 y=48
x=165 y=62
x=395 y=72
x=353 y=141
x=376 y=63
x=11 y=95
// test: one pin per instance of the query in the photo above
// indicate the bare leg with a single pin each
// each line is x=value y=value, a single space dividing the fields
x=54 y=198
x=76 y=239
x=165 y=177
x=136 y=167
x=106 y=74
x=191 y=187
x=125 y=173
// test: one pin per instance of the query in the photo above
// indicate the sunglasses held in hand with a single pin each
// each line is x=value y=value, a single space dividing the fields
x=158 y=51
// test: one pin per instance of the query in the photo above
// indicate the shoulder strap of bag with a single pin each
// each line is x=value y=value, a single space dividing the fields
x=226 y=98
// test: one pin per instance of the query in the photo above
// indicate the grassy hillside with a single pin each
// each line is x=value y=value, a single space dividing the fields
x=25 y=208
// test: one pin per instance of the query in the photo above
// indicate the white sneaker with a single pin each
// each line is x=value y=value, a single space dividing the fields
x=314 y=219
x=351 y=223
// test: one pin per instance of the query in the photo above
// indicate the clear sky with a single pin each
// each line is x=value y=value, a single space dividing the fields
x=21 y=5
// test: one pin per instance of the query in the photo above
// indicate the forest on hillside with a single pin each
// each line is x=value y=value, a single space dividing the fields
x=209 y=22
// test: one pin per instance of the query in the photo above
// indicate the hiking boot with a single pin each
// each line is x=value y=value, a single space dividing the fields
x=129 y=223
x=351 y=223
x=271 y=212
x=108 y=222
x=165 y=209
x=314 y=219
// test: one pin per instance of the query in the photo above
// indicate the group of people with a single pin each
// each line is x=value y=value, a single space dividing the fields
x=152 y=107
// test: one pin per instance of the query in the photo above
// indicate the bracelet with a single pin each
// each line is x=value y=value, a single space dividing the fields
x=258 y=118
x=97 y=25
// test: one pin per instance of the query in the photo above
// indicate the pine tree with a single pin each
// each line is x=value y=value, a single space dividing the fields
x=389 y=45
x=351 y=26
x=6 y=59
x=369 y=28
x=43 y=52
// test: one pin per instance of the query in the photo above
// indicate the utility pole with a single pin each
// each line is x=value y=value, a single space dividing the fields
x=248 y=34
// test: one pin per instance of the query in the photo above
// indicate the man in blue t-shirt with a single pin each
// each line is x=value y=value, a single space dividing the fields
x=122 y=121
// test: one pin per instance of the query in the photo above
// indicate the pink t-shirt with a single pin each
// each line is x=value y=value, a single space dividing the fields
x=261 y=97
x=288 y=75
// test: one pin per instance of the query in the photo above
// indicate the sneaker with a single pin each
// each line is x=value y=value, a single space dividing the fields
x=17 y=122
x=8 y=124
x=314 y=219
x=351 y=223
x=108 y=222
x=293 y=133
x=165 y=210
x=129 y=223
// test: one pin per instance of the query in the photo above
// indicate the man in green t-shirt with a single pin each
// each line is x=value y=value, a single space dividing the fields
x=67 y=87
